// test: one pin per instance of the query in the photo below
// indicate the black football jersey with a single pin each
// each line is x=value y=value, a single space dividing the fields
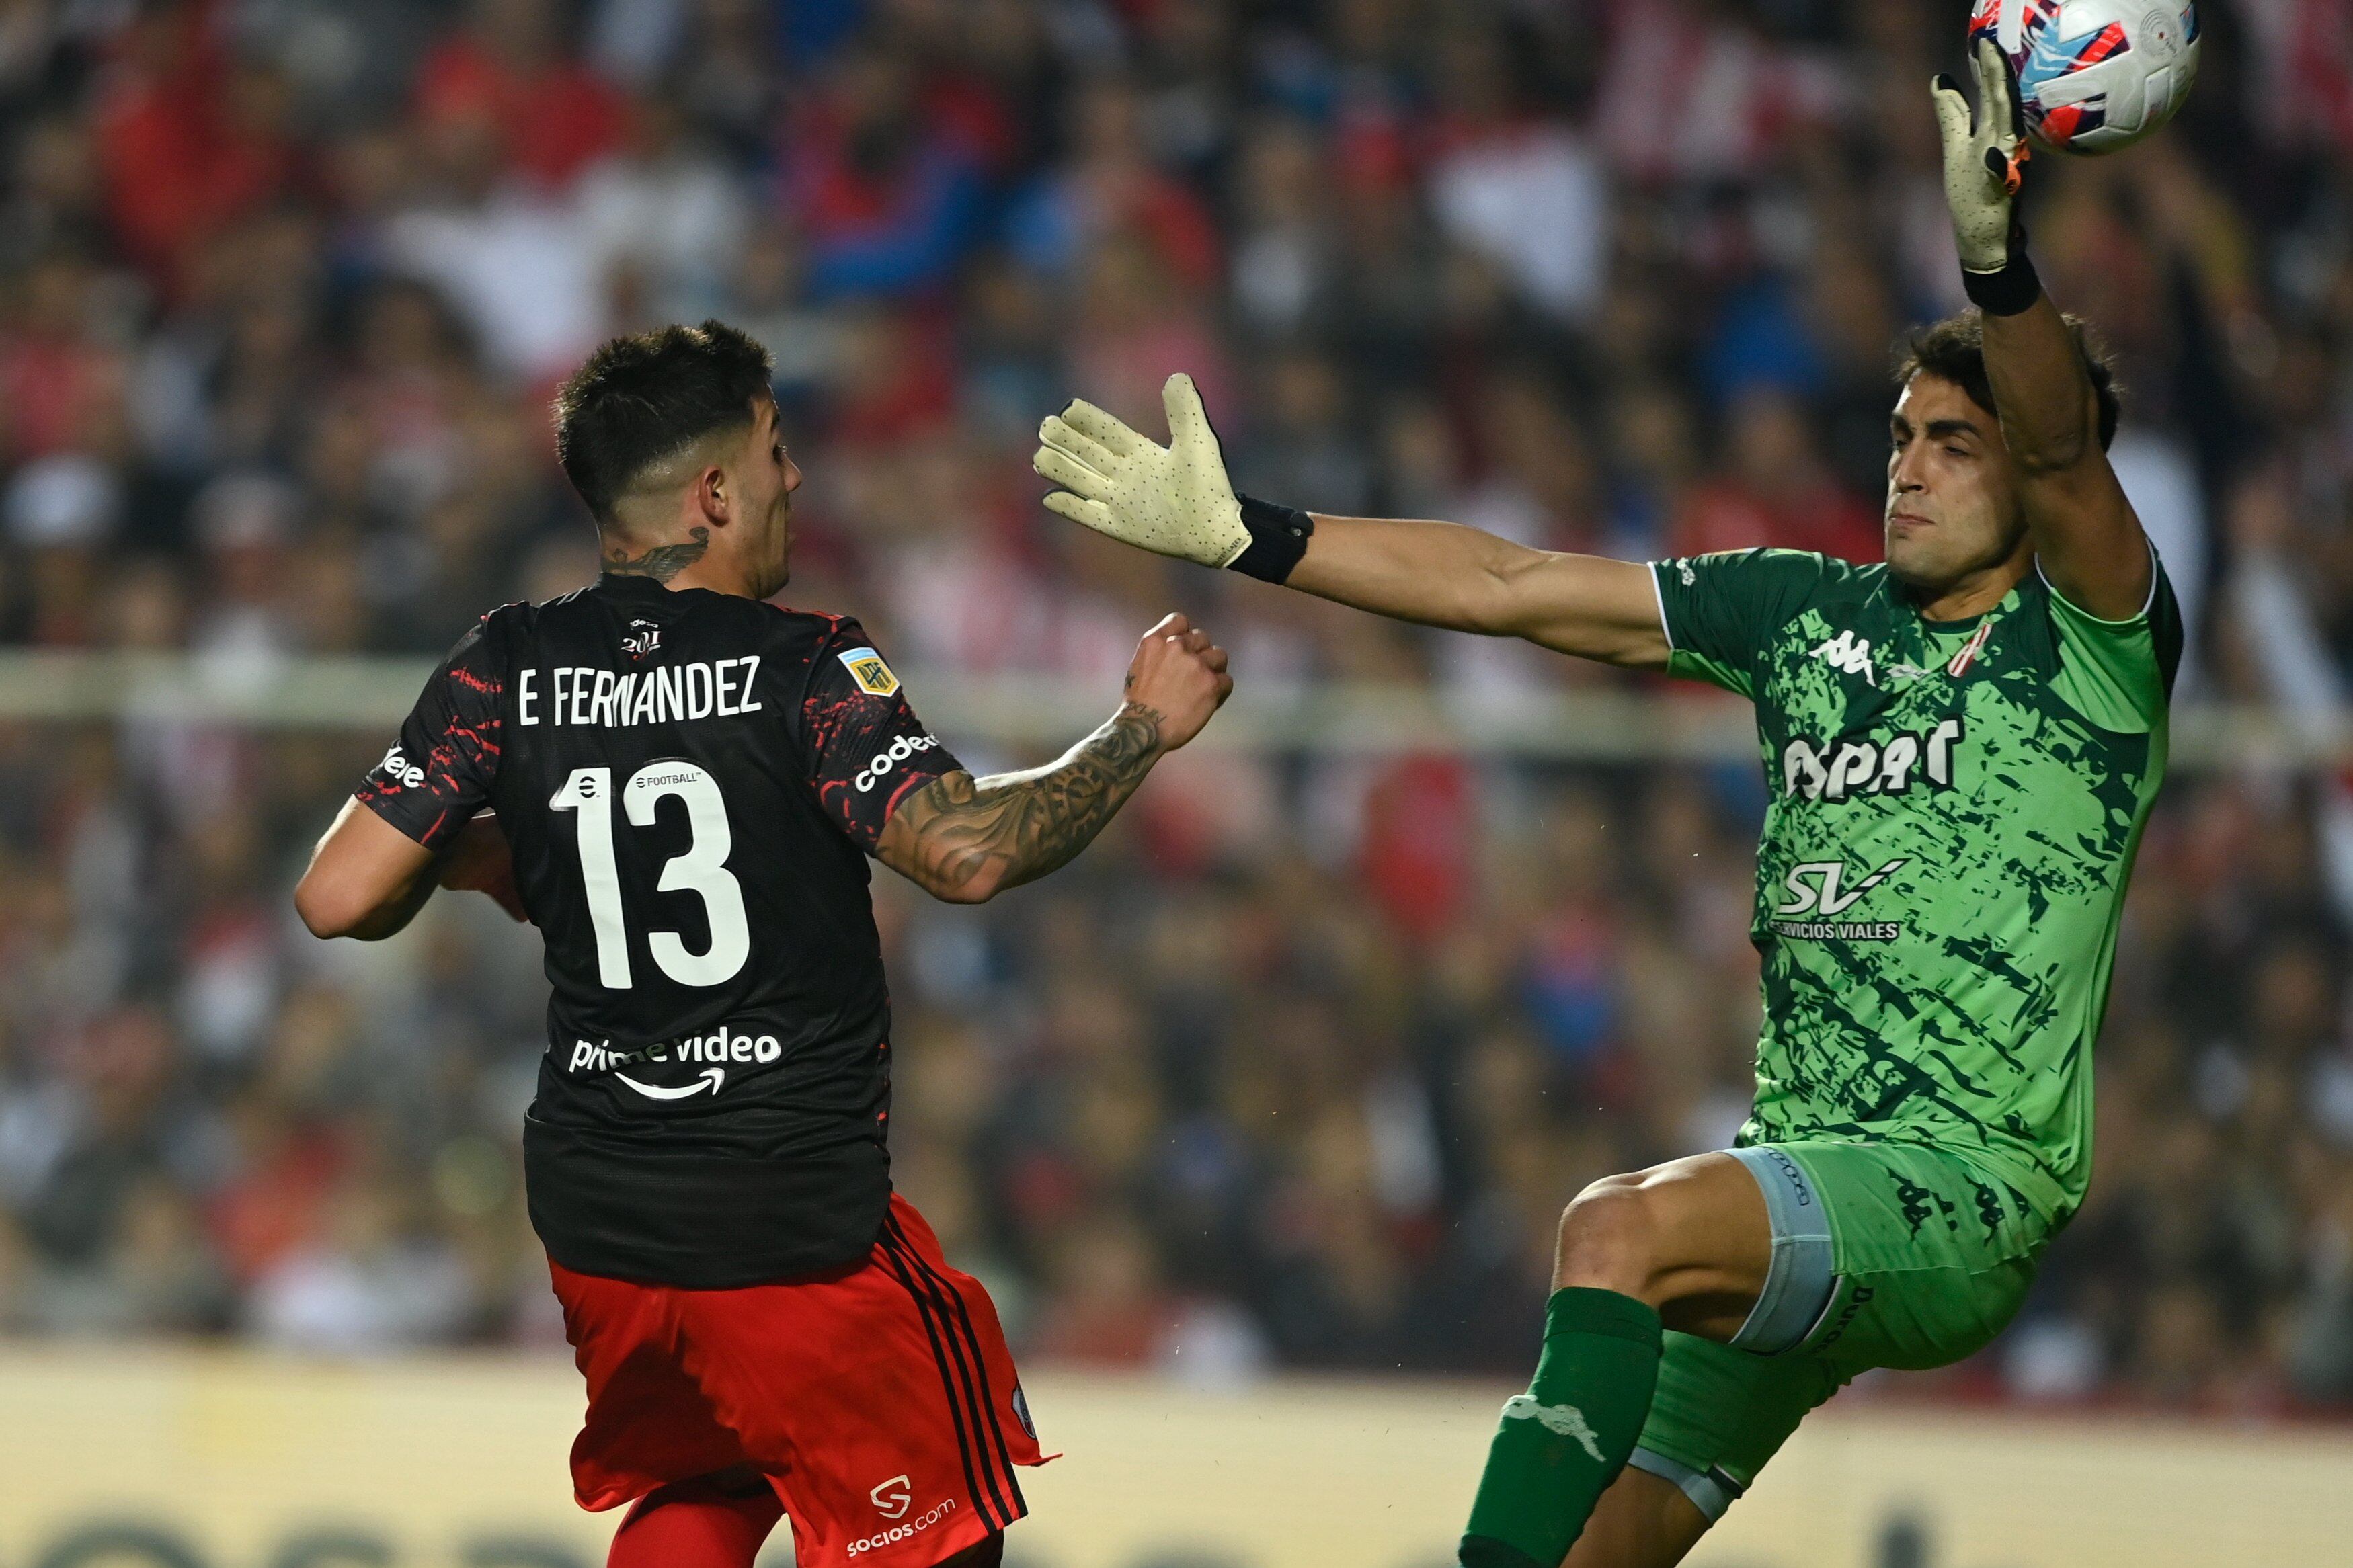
x=690 y=783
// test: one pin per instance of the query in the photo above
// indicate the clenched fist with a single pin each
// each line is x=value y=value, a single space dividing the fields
x=1180 y=675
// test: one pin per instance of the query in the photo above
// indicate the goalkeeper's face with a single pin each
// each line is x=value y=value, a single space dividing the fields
x=1953 y=508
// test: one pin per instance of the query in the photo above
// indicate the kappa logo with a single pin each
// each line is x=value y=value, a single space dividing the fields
x=893 y=1498
x=1849 y=654
x=867 y=669
x=1561 y=1420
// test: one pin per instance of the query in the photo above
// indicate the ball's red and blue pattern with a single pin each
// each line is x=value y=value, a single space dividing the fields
x=2093 y=75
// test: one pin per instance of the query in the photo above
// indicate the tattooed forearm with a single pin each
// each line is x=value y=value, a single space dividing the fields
x=662 y=562
x=963 y=837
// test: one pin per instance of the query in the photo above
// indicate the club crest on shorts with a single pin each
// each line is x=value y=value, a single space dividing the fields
x=867 y=669
x=893 y=1498
x=1021 y=1413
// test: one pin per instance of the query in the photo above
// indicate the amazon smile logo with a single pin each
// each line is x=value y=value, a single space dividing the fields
x=717 y=1048
x=710 y=1079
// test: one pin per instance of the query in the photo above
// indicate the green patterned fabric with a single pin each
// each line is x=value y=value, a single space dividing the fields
x=1954 y=812
x=1927 y=1264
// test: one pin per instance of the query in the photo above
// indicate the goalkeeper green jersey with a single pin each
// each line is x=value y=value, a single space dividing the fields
x=1954 y=809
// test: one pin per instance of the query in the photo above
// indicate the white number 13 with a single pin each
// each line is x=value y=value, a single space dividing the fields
x=703 y=870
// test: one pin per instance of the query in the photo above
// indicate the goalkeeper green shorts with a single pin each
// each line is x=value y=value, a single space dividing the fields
x=1884 y=1254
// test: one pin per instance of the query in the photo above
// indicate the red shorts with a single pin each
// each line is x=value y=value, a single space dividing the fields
x=880 y=1402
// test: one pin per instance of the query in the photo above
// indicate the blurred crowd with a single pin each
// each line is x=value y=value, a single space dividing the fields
x=1299 y=1065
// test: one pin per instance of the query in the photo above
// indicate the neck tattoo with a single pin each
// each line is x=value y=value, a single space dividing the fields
x=661 y=562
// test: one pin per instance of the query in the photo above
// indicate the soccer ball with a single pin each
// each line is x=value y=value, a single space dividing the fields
x=2093 y=75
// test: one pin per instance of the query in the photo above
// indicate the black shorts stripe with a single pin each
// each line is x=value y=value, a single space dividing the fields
x=963 y=1347
x=992 y=1431
x=947 y=1381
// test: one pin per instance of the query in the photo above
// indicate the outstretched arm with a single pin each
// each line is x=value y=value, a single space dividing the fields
x=1444 y=575
x=2088 y=541
x=1176 y=500
x=965 y=840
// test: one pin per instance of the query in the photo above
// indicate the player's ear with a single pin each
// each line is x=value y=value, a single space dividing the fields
x=713 y=495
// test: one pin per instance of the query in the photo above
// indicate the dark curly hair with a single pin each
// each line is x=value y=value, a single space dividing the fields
x=1954 y=349
x=641 y=399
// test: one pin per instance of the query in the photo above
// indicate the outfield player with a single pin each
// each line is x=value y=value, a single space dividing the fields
x=686 y=781
x=1960 y=745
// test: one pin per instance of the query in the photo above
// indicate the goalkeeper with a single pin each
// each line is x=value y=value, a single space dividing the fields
x=1960 y=748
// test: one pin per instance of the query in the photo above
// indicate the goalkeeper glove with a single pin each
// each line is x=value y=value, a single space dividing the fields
x=1174 y=499
x=1985 y=161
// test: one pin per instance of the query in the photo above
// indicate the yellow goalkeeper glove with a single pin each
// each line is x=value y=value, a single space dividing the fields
x=1985 y=159
x=1174 y=499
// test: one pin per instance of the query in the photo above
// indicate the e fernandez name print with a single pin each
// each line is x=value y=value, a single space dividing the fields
x=582 y=694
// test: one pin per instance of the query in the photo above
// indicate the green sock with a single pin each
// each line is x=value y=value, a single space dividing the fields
x=1566 y=1439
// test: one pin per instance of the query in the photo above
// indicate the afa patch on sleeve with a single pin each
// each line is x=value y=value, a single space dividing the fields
x=867 y=669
